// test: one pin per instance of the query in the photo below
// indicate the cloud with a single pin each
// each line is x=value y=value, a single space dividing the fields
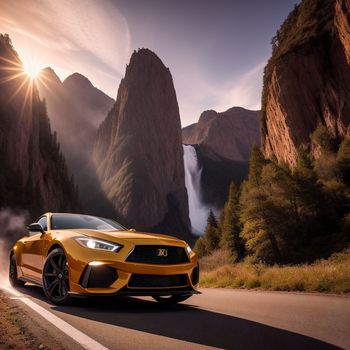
x=71 y=36
x=93 y=38
x=245 y=92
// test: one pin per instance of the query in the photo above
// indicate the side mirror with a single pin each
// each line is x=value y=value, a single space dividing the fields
x=35 y=227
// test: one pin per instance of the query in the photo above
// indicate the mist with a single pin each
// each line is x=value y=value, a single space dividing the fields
x=12 y=223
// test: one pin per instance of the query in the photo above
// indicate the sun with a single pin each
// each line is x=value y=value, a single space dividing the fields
x=32 y=69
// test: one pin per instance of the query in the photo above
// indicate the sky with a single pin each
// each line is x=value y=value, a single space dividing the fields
x=216 y=50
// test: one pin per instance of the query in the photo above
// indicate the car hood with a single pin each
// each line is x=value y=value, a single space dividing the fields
x=131 y=236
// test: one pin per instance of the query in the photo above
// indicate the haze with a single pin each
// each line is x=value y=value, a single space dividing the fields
x=216 y=50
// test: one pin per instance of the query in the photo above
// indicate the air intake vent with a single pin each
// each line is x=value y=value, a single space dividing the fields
x=195 y=275
x=98 y=276
x=158 y=255
x=158 y=281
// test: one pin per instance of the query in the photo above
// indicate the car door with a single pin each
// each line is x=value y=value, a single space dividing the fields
x=32 y=253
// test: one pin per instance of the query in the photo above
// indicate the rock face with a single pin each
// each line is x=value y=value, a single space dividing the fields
x=139 y=152
x=230 y=134
x=307 y=79
x=33 y=171
x=76 y=109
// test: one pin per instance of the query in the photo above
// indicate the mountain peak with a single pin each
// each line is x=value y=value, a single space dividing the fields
x=237 y=109
x=208 y=116
x=77 y=78
x=143 y=61
x=50 y=74
x=144 y=52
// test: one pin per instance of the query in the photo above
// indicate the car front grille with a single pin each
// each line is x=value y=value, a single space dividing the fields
x=158 y=255
x=146 y=281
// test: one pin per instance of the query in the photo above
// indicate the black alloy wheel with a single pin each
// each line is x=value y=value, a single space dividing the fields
x=56 y=277
x=170 y=299
x=13 y=276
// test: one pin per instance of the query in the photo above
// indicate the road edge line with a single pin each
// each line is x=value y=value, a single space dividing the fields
x=81 y=338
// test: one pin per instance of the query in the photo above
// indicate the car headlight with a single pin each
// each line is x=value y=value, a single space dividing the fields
x=95 y=243
x=189 y=250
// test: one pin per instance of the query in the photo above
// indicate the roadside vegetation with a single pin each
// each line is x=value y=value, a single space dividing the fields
x=285 y=228
x=330 y=275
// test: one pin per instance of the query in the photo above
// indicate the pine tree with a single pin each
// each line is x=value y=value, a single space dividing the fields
x=211 y=233
x=263 y=225
x=304 y=166
x=230 y=225
x=256 y=163
x=200 y=247
x=323 y=139
x=343 y=160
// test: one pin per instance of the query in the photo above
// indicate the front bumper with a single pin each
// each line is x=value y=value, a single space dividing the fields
x=124 y=272
x=140 y=293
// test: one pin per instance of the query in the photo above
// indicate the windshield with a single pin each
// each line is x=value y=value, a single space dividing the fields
x=70 y=221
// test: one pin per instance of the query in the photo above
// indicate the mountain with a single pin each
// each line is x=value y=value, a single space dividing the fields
x=307 y=79
x=222 y=142
x=96 y=102
x=76 y=109
x=33 y=173
x=138 y=152
x=230 y=134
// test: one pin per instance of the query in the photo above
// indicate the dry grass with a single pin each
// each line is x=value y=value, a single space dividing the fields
x=215 y=260
x=331 y=275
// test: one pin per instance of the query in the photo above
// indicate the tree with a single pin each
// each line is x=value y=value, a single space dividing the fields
x=230 y=225
x=200 y=247
x=211 y=233
x=281 y=213
x=343 y=160
x=322 y=138
x=304 y=166
x=259 y=218
x=256 y=163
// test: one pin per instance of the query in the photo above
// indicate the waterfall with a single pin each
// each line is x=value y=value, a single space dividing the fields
x=193 y=172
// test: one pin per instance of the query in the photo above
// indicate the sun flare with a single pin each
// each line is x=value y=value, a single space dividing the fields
x=32 y=69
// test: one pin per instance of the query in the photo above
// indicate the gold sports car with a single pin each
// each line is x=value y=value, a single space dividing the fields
x=81 y=255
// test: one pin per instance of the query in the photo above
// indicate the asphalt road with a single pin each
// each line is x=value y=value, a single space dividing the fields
x=219 y=318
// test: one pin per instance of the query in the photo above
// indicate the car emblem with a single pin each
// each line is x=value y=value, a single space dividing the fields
x=162 y=252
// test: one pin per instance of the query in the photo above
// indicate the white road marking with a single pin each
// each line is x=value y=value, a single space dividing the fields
x=85 y=341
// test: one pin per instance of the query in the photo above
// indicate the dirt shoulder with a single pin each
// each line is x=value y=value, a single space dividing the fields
x=18 y=330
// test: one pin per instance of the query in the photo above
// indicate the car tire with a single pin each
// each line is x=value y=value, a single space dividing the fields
x=171 y=299
x=56 y=277
x=13 y=276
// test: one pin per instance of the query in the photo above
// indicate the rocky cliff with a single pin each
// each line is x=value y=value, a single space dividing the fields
x=230 y=134
x=139 y=152
x=76 y=108
x=307 y=79
x=33 y=171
